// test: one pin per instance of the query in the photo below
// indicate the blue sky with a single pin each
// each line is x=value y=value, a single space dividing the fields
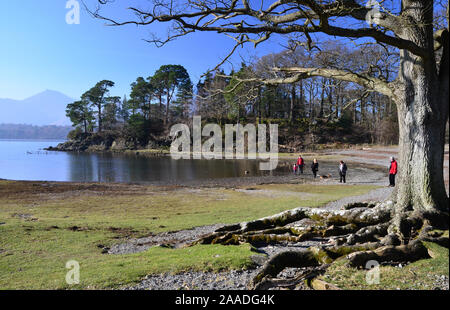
x=40 y=51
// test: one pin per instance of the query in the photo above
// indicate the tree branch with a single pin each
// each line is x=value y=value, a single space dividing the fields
x=308 y=17
x=366 y=81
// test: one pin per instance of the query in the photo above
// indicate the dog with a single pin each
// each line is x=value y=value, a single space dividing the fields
x=325 y=176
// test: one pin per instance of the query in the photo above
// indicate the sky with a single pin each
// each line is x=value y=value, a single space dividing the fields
x=40 y=51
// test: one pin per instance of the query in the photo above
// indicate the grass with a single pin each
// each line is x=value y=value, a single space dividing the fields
x=45 y=224
x=37 y=260
x=157 y=209
x=419 y=275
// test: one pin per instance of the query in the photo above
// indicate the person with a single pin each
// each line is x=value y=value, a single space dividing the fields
x=392 y=172
x=300 y=164
x=294 y=168
x=342 y=171
x=315 y=167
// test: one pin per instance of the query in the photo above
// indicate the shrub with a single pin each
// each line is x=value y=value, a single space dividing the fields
x=75 y=134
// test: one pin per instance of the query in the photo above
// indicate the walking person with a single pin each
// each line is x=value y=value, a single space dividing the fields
x=392 y=172
x=342 y=171
x=294 y=169
x=300 y=163
x=315 y=167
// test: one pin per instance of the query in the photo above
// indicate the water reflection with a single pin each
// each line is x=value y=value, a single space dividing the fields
x=81 y=168
x=25 y=160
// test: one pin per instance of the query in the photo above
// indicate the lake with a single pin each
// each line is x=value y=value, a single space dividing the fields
x=27 y=160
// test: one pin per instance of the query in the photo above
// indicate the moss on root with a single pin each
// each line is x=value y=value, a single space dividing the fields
x=421 y=274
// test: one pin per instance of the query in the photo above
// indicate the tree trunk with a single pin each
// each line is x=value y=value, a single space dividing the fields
x=361 y=108
x=422 y=114
x=149 y=108
x=302 y=100
x=259 y=106
x=322 y=98
x=166 y=118
x=338 y=98
x=311 y=98
x=99 y=118
x=330 y=99
x=292 y=103
x=160 y=105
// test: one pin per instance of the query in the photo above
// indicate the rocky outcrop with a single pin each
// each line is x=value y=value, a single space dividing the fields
x=82 y=143
x=101 y=142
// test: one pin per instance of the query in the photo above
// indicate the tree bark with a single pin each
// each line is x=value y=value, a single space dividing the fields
x=422 y=115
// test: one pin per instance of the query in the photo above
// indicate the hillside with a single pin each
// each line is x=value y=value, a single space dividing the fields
x=20 y=131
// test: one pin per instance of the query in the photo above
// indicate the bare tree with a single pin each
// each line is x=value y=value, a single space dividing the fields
x=419 y=91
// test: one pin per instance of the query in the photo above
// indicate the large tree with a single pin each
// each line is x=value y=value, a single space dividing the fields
x=417 y=29
x=141 y=96
x=98 y=97
x=81 y=115
x=171 y=78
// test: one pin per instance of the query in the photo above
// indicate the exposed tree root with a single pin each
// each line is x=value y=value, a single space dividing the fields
x=404 y=253
x=276 y=264
x=442 y=241
x=329 y=223
x=304 y=276
x=361 y=232
x=366 y=234
x=312 y=257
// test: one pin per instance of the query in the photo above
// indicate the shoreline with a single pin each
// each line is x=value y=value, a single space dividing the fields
x=85 y=220
x=278 y=177
x=122 y=241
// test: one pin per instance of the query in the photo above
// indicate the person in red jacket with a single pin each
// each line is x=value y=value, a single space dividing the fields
x=392 y=172
x=300 y=164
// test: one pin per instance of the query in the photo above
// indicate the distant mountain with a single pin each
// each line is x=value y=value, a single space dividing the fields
x=46 y=108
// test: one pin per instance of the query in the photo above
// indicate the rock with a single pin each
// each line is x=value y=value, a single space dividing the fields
x=259 y=259
x=152 y=145
x=233 y=279
x=97 y=148
x=119 y=145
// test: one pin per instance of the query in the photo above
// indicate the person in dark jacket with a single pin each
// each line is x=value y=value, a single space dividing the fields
x=392 y=172
x=300 y=164
x=342 y=171
x=315 y=167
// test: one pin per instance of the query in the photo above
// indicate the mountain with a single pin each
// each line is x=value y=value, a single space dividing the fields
x=46 y=108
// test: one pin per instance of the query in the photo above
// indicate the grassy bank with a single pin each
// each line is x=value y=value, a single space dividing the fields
x=45 y=224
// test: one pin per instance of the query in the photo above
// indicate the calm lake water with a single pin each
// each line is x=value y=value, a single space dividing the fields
x=27 y=160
